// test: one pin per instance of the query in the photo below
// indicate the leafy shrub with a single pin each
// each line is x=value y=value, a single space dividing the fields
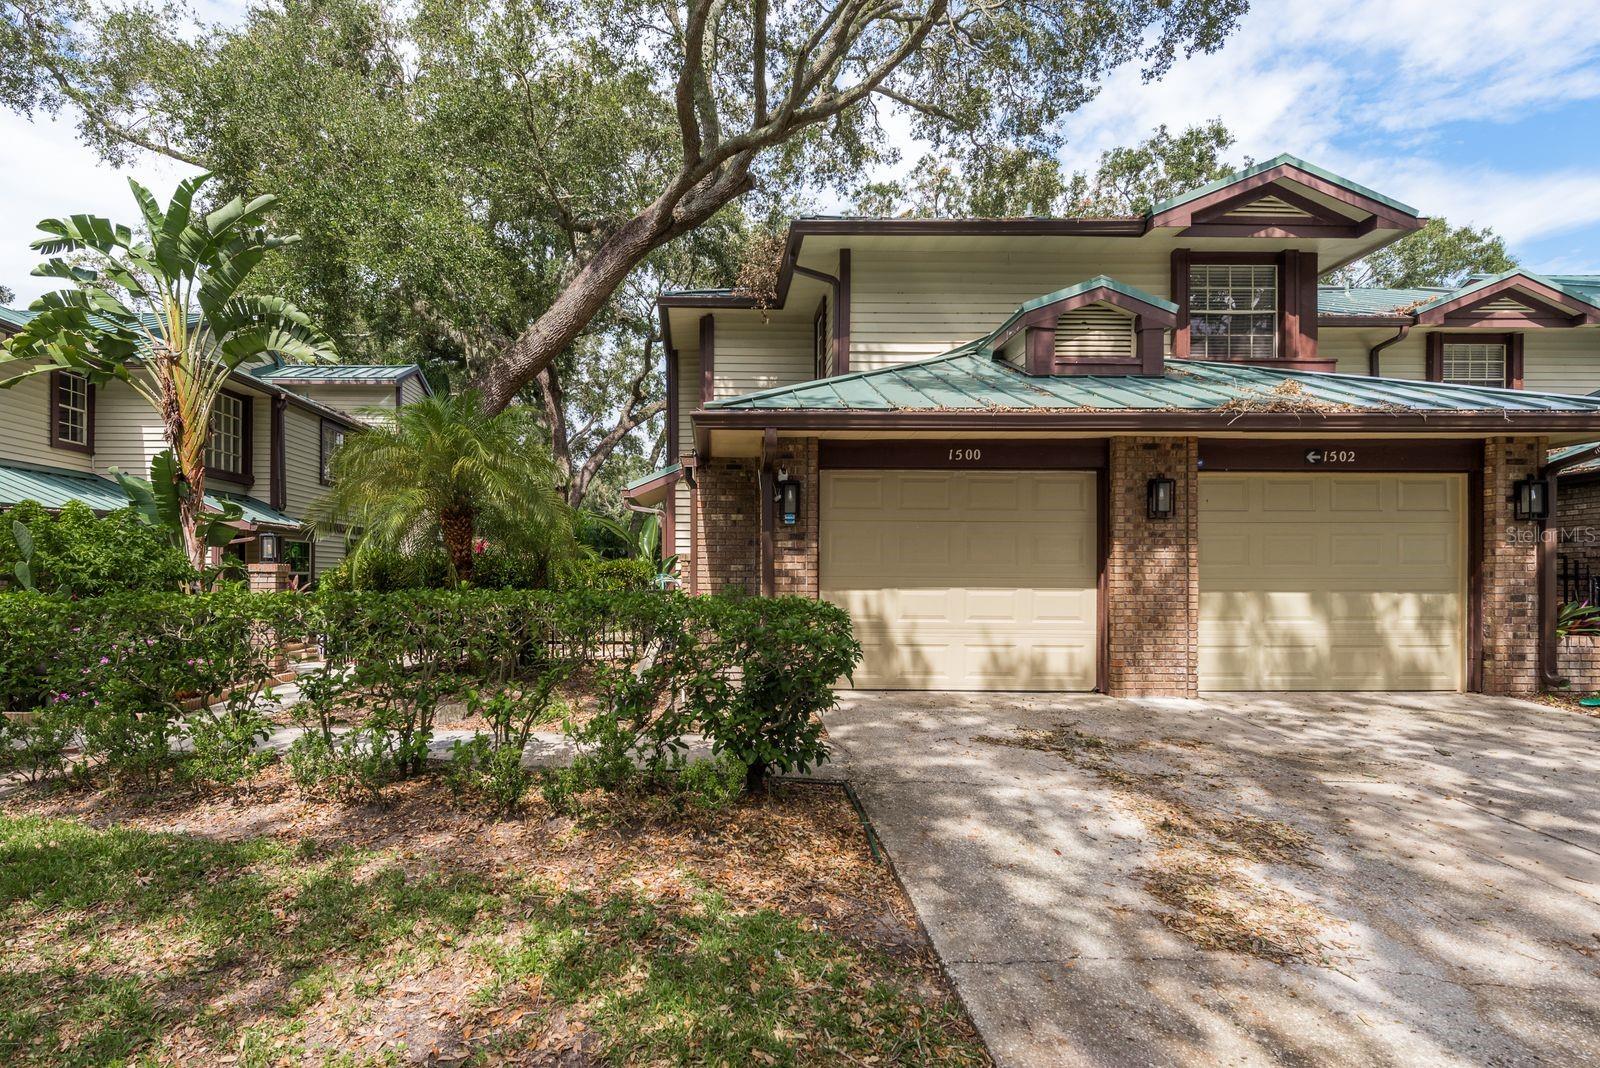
x=385 y=571
x=79 y=554
x=712 y=785
x=147 y=669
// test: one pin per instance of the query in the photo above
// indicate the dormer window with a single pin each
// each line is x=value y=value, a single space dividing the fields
x=1233 y=311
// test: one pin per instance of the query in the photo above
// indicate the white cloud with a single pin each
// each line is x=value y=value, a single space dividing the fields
x=60 y=177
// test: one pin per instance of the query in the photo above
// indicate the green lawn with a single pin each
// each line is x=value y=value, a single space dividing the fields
x=128 y=945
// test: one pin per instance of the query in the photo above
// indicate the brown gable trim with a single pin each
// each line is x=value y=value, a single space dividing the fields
x=667 y=480
x=1185 y=214
x=1215 y=420
x=1150 y=315
x=1566 y=310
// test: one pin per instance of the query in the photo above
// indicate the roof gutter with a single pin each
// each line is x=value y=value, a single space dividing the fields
x=1145 y=419
x=1373 y=362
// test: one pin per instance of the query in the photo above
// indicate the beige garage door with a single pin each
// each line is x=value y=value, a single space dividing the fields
x=1332 y=582
x=964 y=580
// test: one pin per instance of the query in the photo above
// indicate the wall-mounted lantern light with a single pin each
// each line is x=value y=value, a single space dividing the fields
x=1159 y=496
x=788 y=499
x=268 y=546
x=1532 y=500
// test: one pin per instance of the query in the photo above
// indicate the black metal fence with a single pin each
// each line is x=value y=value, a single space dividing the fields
x=1577 y=581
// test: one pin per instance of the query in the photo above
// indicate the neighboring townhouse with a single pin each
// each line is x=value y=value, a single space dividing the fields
x=1145 y=455
x=269 y=449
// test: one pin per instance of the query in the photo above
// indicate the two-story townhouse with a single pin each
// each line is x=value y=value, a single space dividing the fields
x=273 y=432
x=1144 y=455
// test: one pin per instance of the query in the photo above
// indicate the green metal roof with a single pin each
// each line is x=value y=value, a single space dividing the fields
x=965 y=379
x=1373 y=300
x=55 y=487
x=336 y=372
x=1277 y=161
x=670 y=469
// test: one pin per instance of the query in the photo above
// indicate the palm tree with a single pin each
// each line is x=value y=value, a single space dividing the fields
x=443 y=469
x=164 y=310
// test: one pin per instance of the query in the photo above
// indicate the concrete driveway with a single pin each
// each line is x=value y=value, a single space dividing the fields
x=1255 y=879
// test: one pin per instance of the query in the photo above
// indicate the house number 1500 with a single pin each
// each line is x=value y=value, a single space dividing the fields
x=966 y=455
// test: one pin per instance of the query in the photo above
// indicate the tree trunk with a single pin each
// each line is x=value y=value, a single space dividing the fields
x=456 y=527
x=190 y=461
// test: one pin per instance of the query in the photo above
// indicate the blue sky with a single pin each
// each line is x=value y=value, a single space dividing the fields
x=1476 y=110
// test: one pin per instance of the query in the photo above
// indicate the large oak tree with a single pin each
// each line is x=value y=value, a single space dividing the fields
x=580 y=138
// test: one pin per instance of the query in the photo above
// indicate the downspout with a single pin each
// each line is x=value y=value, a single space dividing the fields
x=1373 y=363
x=1549 y=553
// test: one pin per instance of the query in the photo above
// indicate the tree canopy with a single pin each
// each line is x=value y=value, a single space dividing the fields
x=1436 y=255
x=569 y=156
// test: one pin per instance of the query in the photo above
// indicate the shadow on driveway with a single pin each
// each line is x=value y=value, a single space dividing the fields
x=1453 y=867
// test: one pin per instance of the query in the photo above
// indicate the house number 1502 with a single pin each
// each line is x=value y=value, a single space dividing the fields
x=966 y=455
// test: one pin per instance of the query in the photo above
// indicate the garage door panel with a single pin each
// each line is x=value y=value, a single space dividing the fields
x=1011 y=602
x=1358 y=592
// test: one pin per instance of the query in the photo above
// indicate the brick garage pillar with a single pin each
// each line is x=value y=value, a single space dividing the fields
x=1509 y=569
x=795 y=548
x=727 y=524
x=726 y=527
x=1152 y=606
x=1578 y=514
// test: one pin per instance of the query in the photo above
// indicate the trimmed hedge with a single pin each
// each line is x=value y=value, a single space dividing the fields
x=749 y=673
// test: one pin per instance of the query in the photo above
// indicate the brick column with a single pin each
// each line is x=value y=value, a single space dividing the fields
x=1509 y=570
x=726 y=527
x=795 y=556
x=268 y=578
x=1152 y=594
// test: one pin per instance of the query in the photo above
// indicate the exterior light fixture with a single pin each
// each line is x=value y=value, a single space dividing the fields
x=1160 y=493
x=267 y=544
x=1532 y=501
x=788 y=499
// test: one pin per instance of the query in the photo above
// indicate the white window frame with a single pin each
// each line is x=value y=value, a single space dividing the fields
x=1227 y=294
x=1476 y=363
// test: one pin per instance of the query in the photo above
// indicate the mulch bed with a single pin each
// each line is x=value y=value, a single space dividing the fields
x=800 y=852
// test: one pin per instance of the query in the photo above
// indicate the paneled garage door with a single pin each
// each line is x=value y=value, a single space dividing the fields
x=964 y=580
x=1332 y=582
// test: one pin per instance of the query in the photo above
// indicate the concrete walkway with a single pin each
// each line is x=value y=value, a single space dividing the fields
x=1452 y=885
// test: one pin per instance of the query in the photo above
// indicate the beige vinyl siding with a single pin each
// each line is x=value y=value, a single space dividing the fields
x=301 y=450
x=1553 y=360
x=1561 y=361
x=683 y=538
x=127 y=431
x=411 y=390
x=330 y=553
x=1351 y=349
x=351 y=399
x=753 y=355
x=688 y=397
x=25 y=427
x=906 y=306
